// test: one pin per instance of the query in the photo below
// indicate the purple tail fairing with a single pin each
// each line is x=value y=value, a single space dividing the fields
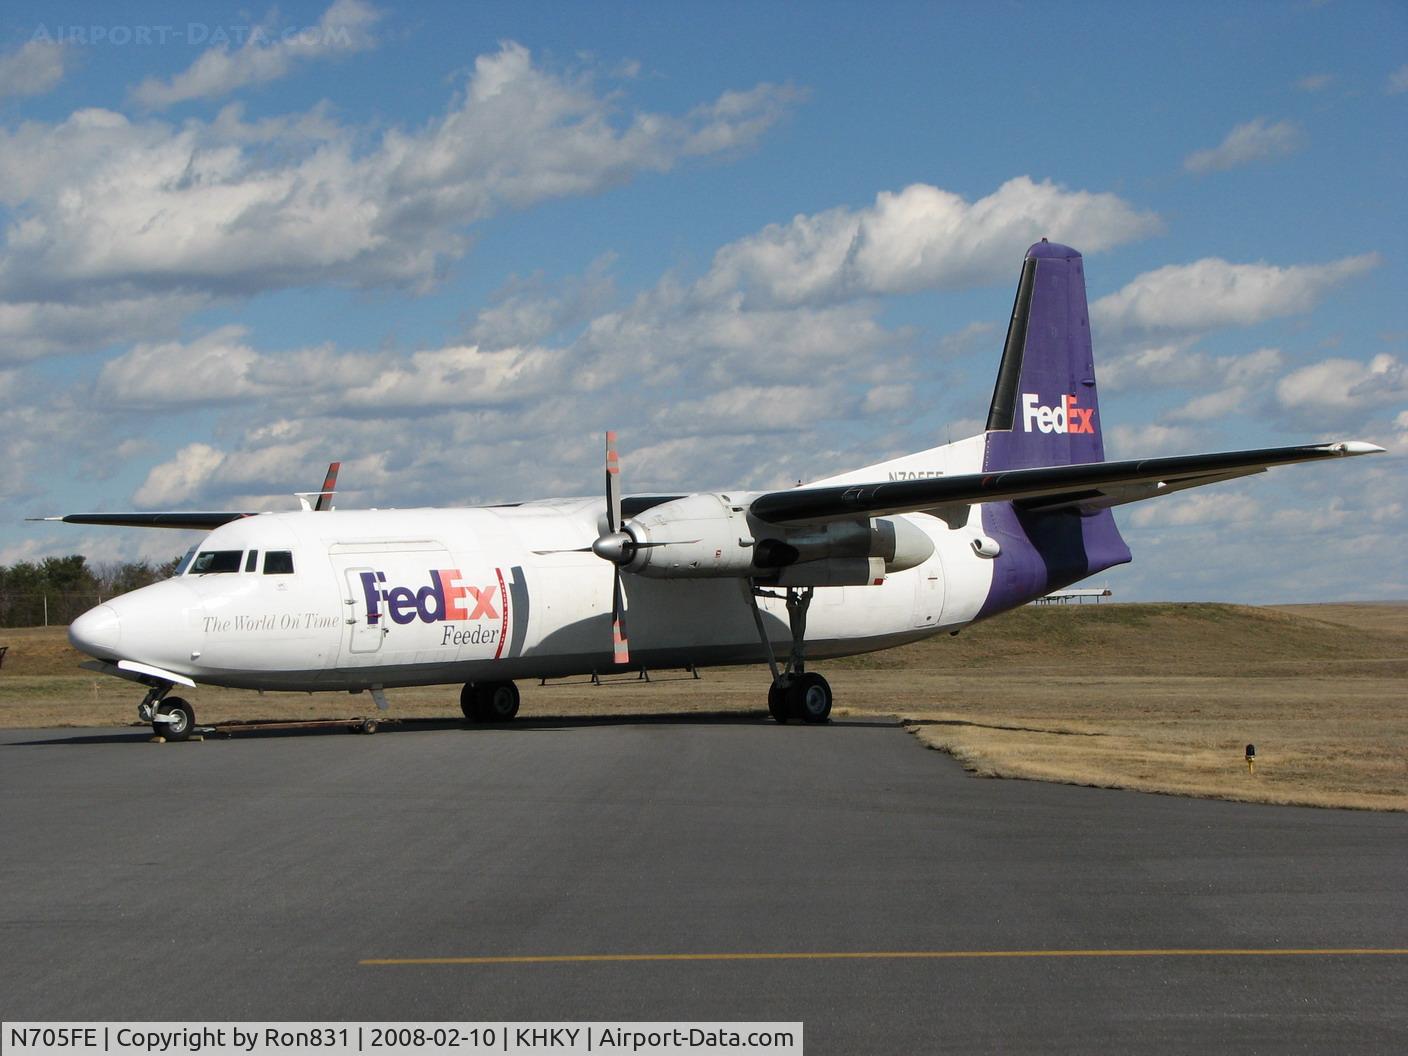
x=1045 y=412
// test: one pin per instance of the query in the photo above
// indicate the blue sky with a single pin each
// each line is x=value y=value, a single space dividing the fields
x=450 y=246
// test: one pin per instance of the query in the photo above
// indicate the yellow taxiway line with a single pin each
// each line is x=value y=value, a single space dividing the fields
x=881 y=955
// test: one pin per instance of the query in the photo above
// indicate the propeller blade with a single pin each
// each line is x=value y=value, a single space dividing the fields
x=615 y=546
x=622 y=650
x=573 y=550
x=613 y=482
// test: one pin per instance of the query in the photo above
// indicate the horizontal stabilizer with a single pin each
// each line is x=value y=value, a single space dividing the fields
x=1057 y=485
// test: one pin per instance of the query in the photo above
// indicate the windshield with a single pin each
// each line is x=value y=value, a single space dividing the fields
x=185 y=561
x=216 y=561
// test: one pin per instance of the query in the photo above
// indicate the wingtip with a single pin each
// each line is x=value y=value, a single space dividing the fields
x=1356 y=447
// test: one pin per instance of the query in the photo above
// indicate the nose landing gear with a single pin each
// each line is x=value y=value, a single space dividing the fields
x=171 y=717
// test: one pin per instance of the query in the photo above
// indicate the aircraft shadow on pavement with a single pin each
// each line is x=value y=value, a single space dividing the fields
x=390 y=726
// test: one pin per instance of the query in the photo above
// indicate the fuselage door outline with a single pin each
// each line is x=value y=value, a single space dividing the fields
x=363 y=636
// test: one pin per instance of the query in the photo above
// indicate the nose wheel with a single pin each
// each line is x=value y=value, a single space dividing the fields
x=171 y=717
x=174 y=719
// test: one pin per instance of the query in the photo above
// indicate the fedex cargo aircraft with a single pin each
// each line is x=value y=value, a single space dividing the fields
x=368 y=600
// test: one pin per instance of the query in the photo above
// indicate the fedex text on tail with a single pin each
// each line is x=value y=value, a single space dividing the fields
x=1066 y=417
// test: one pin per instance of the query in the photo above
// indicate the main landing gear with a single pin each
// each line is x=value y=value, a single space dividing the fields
x=489 y=701
x=795 y=693
x=171 y=717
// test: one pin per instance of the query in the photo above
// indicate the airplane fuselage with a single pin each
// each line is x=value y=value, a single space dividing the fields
x=429 y=596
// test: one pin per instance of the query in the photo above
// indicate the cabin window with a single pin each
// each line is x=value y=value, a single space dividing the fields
x=208 y=561
x=251 y=563
x=278 y=563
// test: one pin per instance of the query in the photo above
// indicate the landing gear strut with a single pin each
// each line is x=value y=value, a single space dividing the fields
x=489 y=701
x=795 y=693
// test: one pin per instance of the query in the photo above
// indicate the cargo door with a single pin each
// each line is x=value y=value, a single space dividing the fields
x=363 y=636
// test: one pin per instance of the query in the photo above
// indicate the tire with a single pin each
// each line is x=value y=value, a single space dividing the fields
x=183 y=718
x=810 y=698
x=468 y=698
x=778 y=707
x=367 y=726
x=495 y=702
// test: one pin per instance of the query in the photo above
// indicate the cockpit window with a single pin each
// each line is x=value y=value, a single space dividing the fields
x=216 y=561
x=251 y=562
x=185 y=562
x=278 y=563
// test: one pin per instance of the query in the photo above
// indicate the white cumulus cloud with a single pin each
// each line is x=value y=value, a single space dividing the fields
x=1211 y=293
x=1149 y=440
x=1256 y=140
x=1220 y=507
x=1315 y=82
x=214 y=368
x=106 y=211
x=267 y=54
x=30 y=329
x=1345 y=384
x=1178 y=364
x=922 y=237
x=1212 y=405
x=175 y=481
x=33 y=69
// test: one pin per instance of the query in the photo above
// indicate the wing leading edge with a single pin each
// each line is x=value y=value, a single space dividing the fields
x=197 y=519
x=1092 y=485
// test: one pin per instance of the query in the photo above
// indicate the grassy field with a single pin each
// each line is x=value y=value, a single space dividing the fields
x=1161 y=698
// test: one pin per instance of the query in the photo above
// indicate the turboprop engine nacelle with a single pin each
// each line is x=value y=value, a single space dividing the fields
x=896 y=544
x=696 y=536
x=705 y=535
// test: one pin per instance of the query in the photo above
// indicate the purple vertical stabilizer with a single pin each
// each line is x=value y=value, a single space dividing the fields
x=1045 y=412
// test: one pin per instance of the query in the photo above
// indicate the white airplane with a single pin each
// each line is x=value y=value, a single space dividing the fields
x=368 y=600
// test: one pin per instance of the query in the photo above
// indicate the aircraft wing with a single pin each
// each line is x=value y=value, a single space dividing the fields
x=1091 y=485
x=197 y=519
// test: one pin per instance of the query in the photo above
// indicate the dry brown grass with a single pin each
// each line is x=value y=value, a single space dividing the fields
x=1161 y=698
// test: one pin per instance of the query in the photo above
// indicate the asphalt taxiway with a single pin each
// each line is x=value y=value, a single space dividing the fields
x=697 y=869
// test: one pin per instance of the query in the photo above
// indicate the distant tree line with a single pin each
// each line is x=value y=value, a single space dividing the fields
x=57 y=589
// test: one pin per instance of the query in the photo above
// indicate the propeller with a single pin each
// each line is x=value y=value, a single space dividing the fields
x=618 y=546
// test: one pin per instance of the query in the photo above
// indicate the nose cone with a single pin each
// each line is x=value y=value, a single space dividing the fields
x=97 y=632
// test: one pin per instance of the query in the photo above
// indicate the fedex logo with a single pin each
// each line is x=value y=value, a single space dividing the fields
x=444 y=598
x=1067 y=417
